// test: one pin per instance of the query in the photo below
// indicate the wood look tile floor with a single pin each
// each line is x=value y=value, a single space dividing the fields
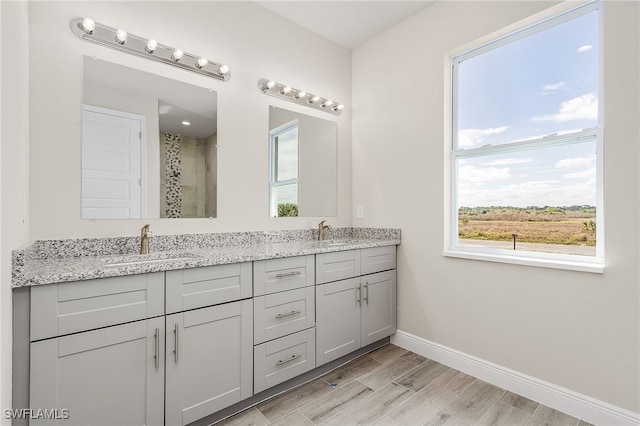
x=392 y=386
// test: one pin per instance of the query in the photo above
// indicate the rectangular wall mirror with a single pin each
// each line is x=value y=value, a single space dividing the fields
x=303 y=179
x=149 y=145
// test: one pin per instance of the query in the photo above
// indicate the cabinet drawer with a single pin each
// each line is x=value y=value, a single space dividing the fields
x=337 y=266
x=207 y=286
x=59 y=309
x=282 y=359
x=377 y=259
x=274 y=275
x=279 y=314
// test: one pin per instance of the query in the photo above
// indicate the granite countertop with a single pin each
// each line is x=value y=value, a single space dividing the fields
x=49 y=262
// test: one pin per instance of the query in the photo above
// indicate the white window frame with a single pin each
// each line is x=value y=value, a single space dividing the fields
x=540 y=22
x=273 y=183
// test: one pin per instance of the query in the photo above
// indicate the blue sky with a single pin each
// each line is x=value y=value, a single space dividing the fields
x=543 y=84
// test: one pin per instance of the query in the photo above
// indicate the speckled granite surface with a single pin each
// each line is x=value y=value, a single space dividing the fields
x=55 y=261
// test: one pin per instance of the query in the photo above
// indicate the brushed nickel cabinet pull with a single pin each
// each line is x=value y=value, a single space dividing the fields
x=157 y=337
x=288 y=274
x=175 y=348
x=366 y=292
x=279 y=316
x=359 y=294
x=291 y=358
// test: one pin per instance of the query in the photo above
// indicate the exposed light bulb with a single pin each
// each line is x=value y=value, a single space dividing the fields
x=121 y=36
x=270 y=84
x=88 y=25
x=223 y=69
x=285 y=90
x=338 y=107
x=316 y=98
x=327 y=104
x=151 y=45
x=201 y=63
x=177 y=55
x=186 y=123
x=301 y=94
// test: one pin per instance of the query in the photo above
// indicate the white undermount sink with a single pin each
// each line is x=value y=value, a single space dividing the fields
x=142 y=259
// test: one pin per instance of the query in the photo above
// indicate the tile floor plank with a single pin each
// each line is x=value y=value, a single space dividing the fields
x=520 y=402
x=344 y=374
x=455 y=381
x=250 y=417
x=422 y=375
x=387 y=353
x=545 y=416
x=282 y=405
x=423 y=405
x=381 y=402
x=414 y=358
x=295 y=418
x=476 y=400
x=442 y=419
x=328 y=406
x=502 y=414
x=386 y=373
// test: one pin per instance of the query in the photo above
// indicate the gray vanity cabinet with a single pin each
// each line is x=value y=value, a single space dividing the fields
x=354 y=312
x=109 y=376
x=209 y=363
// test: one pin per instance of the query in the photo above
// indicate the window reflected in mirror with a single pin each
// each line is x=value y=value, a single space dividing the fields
x=302 y=165
x=284 y=170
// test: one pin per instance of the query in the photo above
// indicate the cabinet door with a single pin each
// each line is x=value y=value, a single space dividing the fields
x=110 y=376
x=378 y=306
x=337 y=319
x=209 y=360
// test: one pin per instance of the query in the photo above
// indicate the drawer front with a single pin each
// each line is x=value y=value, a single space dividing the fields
x=337 y=266
x=377 y=259
x=274 y=275
x=282 y=359
x=207 y=286
x=279 y=314
x=59 y=309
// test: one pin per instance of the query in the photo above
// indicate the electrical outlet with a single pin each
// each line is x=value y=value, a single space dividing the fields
x=360 y=212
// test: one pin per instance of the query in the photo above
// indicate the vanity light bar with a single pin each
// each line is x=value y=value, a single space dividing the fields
x=300 y=97
x=89 y=30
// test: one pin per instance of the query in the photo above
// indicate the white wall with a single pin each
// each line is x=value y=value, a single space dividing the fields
x=14 y=167
x=577 y=330
x=254 y=42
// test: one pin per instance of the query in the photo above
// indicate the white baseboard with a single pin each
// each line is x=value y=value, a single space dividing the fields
x=573 y=403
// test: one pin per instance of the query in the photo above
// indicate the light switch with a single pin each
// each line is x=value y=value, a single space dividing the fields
x=360 y=212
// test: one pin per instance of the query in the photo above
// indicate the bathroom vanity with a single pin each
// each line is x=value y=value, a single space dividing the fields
x=177 y=336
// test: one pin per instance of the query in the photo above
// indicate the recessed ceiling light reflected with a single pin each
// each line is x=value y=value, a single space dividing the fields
x=186 y=123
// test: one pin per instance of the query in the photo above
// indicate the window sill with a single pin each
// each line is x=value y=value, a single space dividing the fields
x=592 y=267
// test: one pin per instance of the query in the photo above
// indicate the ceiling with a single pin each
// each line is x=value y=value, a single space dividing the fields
x=347 y=23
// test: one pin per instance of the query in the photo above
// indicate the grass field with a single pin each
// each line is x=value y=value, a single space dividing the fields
x=573 y=225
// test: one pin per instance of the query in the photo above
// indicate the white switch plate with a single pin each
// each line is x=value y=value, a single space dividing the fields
x=360 y=212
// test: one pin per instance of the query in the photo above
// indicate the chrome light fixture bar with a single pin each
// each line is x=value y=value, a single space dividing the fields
x=88 y=30
x=300 y=97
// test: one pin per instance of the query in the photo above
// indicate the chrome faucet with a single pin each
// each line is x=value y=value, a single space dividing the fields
x=321 y=228
x=145 y=234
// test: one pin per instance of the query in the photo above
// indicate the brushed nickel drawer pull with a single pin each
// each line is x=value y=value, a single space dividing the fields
x=175 y=349
x=288 y=274
x=279 y=316
x=157 y=337
x=291 y=358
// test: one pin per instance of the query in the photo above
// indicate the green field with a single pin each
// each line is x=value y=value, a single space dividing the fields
x=574 y=225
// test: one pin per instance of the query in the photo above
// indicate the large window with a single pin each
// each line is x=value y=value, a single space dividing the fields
x=284 y=170
x=527 y=145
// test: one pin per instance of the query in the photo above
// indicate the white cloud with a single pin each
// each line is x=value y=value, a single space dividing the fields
x=571 y=163
x=552 y=87
x=473 y=138
x=472 y=175
x=583 y=107
x=589 y=173
x=585 y=48
x=507 y=161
